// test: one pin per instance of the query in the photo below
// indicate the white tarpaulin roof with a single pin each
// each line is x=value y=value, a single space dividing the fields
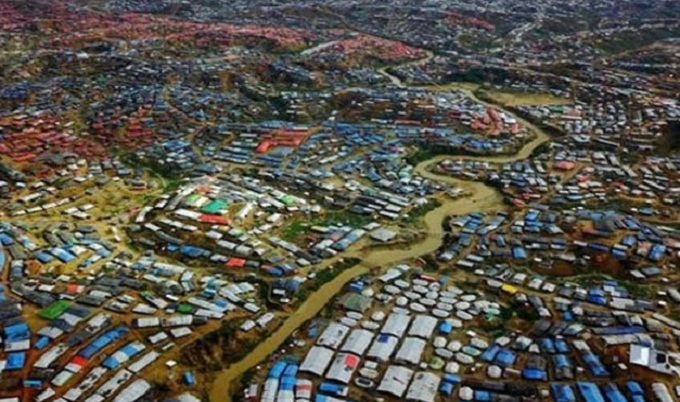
x=317 y=360
x=396 y=380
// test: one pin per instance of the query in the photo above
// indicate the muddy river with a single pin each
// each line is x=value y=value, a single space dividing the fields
x=482 y=198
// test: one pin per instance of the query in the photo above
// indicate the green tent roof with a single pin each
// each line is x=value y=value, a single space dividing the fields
x=215 y=207
x=54 y=310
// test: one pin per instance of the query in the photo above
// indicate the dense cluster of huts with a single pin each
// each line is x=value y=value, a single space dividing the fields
x=85 y=332
x=418 y=338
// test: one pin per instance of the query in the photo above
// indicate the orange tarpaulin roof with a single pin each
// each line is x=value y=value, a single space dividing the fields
x=236 y=263
x=80 y=361
x=214 y=219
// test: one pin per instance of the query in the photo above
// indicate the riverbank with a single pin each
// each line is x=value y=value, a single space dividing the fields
x=482 y=198
x=221 y=390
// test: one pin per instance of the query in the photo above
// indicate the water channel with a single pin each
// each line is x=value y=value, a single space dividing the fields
x=481 y=198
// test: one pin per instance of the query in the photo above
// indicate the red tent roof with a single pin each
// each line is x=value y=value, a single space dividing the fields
x=80 y=361
x=236 y=263
x=214 y=219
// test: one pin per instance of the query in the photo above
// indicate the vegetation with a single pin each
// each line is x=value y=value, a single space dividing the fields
x=527 y=314
x=669 y=142
x=558 y=26
x=636 y=39
x=426 y=152
x=300 y=227
x=479 y=75
x=422 y=210
x=221 y=348
x=171 y=177
x=638 y=290
x=515 y=97
x=326 y=275
x=498 y=325
x=171 y=184
x=477 y=43
x=540 y=150
x=674 y=314
x=431 y=264
x=587 y=280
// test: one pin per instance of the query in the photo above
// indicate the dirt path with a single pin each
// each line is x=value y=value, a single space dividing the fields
x=319 y=47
